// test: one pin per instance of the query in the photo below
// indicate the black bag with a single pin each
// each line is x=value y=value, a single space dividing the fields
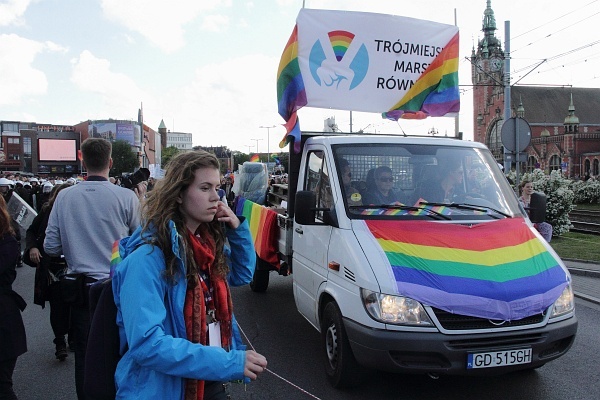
x=102 y=354
x=41 y=286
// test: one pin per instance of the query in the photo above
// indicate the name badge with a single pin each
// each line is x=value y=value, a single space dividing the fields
x=214 y=334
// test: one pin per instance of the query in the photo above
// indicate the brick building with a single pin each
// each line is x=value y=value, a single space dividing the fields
x=564 y=121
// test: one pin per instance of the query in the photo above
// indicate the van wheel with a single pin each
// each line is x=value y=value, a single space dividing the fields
x=260 y=280
x=340 y=365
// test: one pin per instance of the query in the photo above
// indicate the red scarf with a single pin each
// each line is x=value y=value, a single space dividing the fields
x=195 y=307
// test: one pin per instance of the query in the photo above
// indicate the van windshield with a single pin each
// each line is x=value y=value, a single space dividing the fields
x=415 y=181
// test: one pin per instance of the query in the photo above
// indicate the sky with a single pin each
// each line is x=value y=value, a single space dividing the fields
x=209 y=67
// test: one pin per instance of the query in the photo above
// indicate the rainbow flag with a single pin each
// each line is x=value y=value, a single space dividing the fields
x=115 y=257
x=421 y=210
x=423 y=207
x=263 y=229
x=435 y=93
x=291 y=94
x=254 y=158
x=497 y=270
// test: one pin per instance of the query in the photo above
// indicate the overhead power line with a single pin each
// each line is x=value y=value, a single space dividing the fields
x=555 y=19
x=555 y=32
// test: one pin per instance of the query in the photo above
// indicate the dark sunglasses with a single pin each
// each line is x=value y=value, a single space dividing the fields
x=386 y=179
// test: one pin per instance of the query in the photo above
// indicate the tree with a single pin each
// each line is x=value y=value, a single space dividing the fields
x=167 y=154
x=124 y=158
x=239 y=158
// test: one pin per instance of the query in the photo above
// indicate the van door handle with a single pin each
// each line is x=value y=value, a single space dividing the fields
x=299 y=230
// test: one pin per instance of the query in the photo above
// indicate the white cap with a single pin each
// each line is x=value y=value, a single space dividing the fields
x=58 y=182
x=33 y=180
x=5 y=182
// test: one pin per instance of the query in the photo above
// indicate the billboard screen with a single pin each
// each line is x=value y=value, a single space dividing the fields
x=112 y=131
x=57 y=150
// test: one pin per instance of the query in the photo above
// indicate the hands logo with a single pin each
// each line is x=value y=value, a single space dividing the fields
x=342 y=72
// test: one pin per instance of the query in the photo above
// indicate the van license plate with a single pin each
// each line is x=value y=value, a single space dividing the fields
x=498 y=358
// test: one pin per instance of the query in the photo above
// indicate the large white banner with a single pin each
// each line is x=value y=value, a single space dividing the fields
x=365 y=61
x=398 y=66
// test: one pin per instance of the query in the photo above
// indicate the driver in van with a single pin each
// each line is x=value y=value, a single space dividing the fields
x=449 y=187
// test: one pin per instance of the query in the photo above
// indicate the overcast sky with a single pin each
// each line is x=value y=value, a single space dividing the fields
x=209 y=67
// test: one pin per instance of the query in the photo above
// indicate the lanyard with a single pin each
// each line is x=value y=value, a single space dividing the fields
x=207 y=291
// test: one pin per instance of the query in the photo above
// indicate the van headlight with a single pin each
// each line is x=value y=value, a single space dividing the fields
x=397 y=310
x=564 y=304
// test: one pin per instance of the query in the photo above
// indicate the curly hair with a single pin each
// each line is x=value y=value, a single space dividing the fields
x=161 y=206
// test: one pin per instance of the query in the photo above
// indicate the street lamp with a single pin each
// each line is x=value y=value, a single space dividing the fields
x=256 y=144
x=268 y=128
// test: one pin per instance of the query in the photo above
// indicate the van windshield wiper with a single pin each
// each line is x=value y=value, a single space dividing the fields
x=465 y=206
x=431 y=213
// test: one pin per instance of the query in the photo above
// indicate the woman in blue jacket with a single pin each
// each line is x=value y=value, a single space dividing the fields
x=178 y=335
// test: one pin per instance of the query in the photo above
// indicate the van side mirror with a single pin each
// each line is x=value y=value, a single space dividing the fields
x=306 y=210
x=537 y=208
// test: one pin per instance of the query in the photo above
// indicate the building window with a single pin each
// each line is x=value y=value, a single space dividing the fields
x=494 y=138
x=531 y=163
x=7 y=127
x=554 y=163
x=27 y=147
x=587 y=168
x=596 y=171
x=13 y=140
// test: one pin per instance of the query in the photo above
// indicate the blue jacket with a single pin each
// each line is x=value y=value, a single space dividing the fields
x=157 y=355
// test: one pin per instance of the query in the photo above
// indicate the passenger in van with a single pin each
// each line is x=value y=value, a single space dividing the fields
x=352 y=194
x=448 y=188
x=381 y=191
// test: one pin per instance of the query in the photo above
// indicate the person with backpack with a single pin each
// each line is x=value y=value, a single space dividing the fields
x=178 y=336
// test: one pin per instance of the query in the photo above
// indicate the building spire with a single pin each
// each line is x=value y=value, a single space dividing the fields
x=489 y=45
x=521 y=108
x=489 y=20
x=571 y=123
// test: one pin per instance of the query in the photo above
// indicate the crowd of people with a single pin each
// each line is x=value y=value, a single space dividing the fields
x=182 y=248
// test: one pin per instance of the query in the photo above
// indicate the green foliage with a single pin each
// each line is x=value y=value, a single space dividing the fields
x=284 y=158
x=586 y=191
x=124 y=158
x=239 y=158
x=167 y=155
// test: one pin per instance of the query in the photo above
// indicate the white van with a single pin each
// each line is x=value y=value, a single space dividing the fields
x=413 y=255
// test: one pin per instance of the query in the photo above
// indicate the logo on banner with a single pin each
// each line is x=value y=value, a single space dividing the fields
x=340 y=68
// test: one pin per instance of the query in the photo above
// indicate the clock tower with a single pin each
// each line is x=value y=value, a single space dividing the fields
x=487 y=69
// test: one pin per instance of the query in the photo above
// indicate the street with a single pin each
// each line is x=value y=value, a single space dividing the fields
x=295 y=371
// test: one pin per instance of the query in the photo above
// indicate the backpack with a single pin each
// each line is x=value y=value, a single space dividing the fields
x=102 y=353
x=103 y=350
